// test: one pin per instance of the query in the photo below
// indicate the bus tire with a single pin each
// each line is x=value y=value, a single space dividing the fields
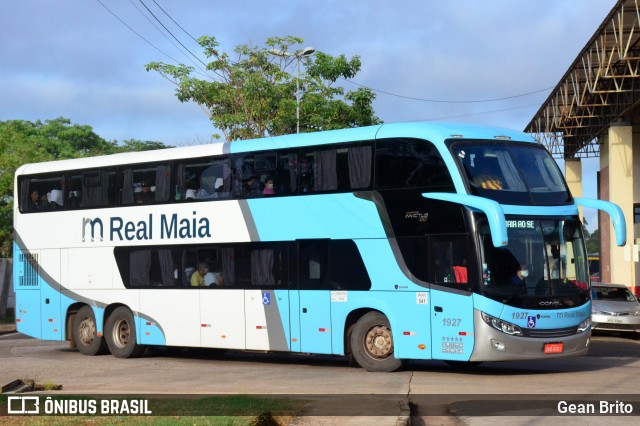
x=85 y=335
x=372 y=343
x=120 y=334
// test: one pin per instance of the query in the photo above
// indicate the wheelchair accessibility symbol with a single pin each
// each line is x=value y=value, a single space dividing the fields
x=531 y=322
x=266 y=298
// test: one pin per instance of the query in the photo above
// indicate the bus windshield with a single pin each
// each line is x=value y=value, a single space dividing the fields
x=511 y=174
x=544 y=261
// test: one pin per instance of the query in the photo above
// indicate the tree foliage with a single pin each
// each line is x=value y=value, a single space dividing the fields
x=592 y=241
x=32 y=142
x=254 y=93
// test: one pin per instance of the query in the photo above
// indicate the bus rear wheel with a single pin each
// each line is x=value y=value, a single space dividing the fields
x=372 y=343
x=120 y=333
x=85 y=333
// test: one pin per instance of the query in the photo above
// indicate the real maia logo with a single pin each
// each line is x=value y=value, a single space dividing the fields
x=167 y=227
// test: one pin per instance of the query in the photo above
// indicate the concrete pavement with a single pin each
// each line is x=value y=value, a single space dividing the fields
x=177 y=372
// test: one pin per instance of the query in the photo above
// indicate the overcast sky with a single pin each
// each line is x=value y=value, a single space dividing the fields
x=75 y=59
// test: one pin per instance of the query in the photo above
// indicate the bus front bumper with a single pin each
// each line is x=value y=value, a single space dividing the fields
x=493 y=345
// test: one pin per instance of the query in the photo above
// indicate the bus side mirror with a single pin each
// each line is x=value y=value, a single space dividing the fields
x=615 y=213
x=493 y=210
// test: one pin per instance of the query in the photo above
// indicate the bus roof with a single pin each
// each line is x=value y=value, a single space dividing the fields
x=435 y=132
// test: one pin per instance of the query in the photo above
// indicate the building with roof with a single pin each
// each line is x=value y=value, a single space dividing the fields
x=594 y=111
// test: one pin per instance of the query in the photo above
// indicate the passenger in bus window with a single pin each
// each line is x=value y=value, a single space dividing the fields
x=145 y=195
x=197 y=279
x=250 y=187
x=35 y=203
x=268 y=187
x=520 y=276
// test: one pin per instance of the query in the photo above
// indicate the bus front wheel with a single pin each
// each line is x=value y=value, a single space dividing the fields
x=372 y=343
x=85 y=333
x=120 y=333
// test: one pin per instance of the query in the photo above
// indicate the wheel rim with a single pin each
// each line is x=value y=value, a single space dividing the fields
x=378 y=342
x=121 y=333
x=87 y=331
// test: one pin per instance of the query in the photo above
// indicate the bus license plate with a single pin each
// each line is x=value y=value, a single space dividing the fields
x=553 y=348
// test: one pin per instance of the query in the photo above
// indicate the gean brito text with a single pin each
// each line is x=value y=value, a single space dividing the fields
x=167 y=227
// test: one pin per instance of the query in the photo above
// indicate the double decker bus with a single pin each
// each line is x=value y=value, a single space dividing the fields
x=384 y=243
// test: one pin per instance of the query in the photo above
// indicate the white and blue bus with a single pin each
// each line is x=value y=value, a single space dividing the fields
x=383 y=243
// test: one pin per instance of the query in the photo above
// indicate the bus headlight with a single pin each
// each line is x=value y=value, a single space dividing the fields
x=505 y=327
x=584 y=325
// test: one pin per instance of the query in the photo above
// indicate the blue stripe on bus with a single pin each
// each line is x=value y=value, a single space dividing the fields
x=148 y=332
x=342 y=216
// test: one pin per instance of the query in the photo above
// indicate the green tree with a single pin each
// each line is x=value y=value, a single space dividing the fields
x=254 y=94
x=593 y=241
x=31 y=142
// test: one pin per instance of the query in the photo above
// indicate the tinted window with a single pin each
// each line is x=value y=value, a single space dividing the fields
x=98 y=188
x=246 y=179
x=410 y=163
x=259 y=265
x=148 y=267
x=42 y=193
x=145 y=184
x=449 y=261
x=511 y=173
x=265 y=174
x=343 y=169
x=246 y=265
x=203 y=179
x=331 y=265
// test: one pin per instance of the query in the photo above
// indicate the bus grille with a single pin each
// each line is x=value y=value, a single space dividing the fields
x=29 y=277
x=556 y=332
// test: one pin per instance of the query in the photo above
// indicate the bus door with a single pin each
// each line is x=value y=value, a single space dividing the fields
x=267 y=297
x=267 y=325
x=222 y=316
x=52 y=320
x=313 y=308
x=27 y=288
x=451 y=299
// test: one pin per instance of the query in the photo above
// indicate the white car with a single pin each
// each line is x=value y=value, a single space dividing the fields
x=614 y=308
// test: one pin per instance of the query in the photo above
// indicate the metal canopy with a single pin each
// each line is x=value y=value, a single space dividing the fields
x=600 y=88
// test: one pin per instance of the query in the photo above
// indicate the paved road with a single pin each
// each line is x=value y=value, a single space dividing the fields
x=612 y=367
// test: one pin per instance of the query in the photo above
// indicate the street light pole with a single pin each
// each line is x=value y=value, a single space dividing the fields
x=307 y=51
x=299 y=55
